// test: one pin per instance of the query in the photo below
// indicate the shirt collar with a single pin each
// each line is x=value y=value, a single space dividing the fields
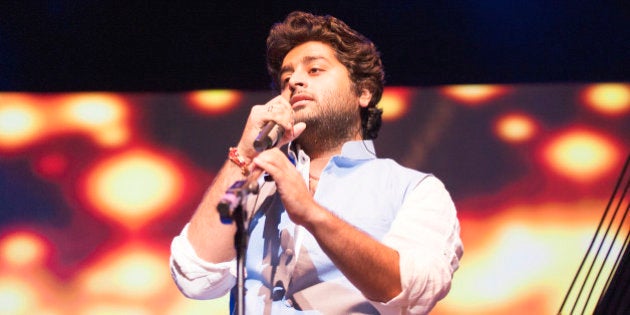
x=358 y=150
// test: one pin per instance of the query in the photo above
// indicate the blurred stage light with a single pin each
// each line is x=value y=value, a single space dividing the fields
x=52 y=165
x=23 y=249
x=20 y=124
x=610 y=99
x=521 y=257
x=131 y=273
x=134 y=187
x=394 y=102
x=108 y=308
x=214 y=101
x=582 y=155
x=474 y=94
x=93 y=110
x=102 y=115
x=515 y=127
x=16 y=298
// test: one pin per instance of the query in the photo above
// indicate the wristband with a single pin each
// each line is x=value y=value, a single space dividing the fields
x=238 y=160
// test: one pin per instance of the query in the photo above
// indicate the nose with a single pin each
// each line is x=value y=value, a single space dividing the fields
x=298 y=79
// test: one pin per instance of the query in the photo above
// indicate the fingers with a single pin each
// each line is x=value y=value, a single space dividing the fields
x=270 y=161
x=278 y=110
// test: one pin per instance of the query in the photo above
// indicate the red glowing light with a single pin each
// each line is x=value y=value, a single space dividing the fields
x=52 y=165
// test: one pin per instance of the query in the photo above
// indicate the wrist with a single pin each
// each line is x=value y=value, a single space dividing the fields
x=239 y=160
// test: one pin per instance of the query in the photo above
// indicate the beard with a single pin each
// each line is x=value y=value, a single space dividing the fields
x=330 y=124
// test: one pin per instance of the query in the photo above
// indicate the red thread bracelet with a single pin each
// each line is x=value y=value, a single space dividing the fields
x=238 y=160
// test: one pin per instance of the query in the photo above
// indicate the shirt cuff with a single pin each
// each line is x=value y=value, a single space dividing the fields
x=195 y=277
x=419 y=292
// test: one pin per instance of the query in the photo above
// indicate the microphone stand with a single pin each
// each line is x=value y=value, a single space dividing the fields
x=231 y=210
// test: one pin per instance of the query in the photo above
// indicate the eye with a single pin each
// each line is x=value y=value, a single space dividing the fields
x=284 y=81
x=315 y=70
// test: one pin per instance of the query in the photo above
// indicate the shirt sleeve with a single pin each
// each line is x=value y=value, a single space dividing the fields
x=425 y=233
x=195 y=277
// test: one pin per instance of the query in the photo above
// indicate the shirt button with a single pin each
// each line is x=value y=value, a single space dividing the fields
x=277 y=293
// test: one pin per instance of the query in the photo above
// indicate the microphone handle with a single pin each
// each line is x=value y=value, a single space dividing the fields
x=268 y=136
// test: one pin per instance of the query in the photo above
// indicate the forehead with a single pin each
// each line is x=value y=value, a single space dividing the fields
x=309 y=51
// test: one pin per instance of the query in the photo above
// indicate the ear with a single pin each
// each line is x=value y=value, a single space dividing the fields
x=365 y=98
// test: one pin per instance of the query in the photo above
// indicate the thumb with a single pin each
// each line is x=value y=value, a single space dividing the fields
x=293 y=133
x=297 y=129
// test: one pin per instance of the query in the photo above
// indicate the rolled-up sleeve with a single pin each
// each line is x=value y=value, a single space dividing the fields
x=425 y=233
x=195 y=277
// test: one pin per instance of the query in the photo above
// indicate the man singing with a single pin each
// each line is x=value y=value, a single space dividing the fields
x=337 y=230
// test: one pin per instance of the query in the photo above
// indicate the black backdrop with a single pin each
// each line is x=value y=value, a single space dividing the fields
x=62 y=45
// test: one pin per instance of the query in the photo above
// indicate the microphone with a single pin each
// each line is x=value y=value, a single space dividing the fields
x=268 y=136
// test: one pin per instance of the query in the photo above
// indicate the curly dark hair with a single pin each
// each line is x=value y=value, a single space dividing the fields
x=356 y=52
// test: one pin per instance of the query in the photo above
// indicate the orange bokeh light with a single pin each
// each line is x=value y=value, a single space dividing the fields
x=610 y=99
x=520 y=253
x=23 y=249
x=474 y=94
x=215 y=101
x=134 y=272
x=515 y=127
x=394 y=102
x=20 y=124
x=134 y=187
x=93 y=110
x=581 y=154
x=16 y=297
x=102 y=115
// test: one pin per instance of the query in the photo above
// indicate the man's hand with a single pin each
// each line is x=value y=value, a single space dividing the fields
x=278 y=110
x=297 y=199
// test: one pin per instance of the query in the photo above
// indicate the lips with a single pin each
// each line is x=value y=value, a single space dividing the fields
x=299 y=99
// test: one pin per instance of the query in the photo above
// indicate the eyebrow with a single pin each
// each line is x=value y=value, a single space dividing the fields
x=305 y=60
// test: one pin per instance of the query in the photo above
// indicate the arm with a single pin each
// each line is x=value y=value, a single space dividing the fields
x=212 y=240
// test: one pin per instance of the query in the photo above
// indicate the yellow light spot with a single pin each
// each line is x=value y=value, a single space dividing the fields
x=133 y=273
x=16 y=297
x=134 y=187
x=214 y=101
x=112 y=137
x=23 y=249
x=582 y=155
x=102 y=116
x=515 y=127
x=610 y=99
x=94 y=110
x=394 y=103
x=20 y=124
x=524 y=252
x=473 y=94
